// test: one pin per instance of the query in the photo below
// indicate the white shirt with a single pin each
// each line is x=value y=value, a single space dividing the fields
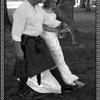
x=27 y=20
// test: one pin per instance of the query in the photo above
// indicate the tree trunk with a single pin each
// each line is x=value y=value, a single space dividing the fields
x=88 y=5
x=82 y=3
x=6 y=17
x=65 y=11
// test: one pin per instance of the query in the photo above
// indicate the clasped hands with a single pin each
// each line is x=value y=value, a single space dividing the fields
x=63 y=28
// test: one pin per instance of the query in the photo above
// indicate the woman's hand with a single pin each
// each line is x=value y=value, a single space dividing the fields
x=66 y=26
x=63 y=31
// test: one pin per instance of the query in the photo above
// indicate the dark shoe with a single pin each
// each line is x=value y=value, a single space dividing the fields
x=29 y=93
x=32 y=93
x=69 y=88
x=79 y=84
x=20 y=95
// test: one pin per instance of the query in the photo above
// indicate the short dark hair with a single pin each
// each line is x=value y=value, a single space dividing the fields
x=47 y=3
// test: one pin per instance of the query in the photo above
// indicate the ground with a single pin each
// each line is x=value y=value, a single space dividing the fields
x=81 y=61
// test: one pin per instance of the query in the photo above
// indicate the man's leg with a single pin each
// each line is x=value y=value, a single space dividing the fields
x=23 y=70
x=64 y=87
x=23 y=78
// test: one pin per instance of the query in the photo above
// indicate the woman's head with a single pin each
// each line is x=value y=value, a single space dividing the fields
x=51 y=3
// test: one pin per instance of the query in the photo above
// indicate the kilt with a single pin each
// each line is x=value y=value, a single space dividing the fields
x=37 y=57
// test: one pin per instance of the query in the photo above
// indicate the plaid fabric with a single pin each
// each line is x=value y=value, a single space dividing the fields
x=37 y=57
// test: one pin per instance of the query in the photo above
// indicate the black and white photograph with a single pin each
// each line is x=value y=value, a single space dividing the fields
x=50 y=49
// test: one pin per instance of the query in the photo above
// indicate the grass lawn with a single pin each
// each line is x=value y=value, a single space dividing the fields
x=81 y=61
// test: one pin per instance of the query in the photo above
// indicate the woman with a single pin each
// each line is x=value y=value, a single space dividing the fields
x=53 y=42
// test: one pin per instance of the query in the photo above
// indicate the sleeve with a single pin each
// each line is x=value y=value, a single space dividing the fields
x=18 y=24
x=56 y=23
x=51 y=20
x=46 y=18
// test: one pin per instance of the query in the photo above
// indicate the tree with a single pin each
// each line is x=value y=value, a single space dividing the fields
x=6 y=17
x=64 y=11
x=85 y=4
x=88 y=5
x=82 y=3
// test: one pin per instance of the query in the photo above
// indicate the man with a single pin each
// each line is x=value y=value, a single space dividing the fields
x=32 y=52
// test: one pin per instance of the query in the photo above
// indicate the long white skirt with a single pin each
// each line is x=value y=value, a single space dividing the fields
x=56 y=51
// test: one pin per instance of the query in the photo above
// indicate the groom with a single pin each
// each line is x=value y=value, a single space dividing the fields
x=26 y=21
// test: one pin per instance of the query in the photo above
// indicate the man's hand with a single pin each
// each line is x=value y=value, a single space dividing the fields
x=19 y=51
x=20 y=54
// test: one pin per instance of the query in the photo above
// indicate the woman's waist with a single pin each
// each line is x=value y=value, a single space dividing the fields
x=48 y=34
